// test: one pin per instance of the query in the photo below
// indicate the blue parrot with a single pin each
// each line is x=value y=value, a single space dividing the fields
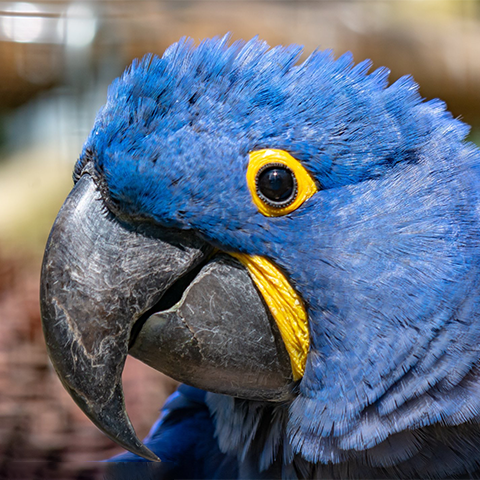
x=296 y=242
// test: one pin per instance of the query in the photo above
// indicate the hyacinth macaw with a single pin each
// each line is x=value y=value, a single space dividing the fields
x=296 y=242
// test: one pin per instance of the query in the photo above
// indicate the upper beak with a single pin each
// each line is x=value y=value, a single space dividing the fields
x=98 y=277
x=101 y=275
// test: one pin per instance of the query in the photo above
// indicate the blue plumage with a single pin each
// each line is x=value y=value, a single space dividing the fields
x=183 y=436
x=385 y=255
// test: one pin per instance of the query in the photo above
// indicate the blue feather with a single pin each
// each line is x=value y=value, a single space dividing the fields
x=387 y=260
x=183 y=438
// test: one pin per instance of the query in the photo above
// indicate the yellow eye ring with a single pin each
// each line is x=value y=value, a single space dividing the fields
x=303 y=186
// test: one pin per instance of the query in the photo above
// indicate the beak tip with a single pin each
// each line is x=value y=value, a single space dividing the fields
x=146 y=453
x=136 y=446
x=112 y=419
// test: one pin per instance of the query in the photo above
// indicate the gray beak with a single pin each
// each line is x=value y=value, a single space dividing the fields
x=108 y=286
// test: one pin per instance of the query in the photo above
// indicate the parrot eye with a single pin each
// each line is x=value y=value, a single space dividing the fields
x=276 y=185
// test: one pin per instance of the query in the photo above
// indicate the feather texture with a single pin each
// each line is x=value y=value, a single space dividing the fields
x=385 y=255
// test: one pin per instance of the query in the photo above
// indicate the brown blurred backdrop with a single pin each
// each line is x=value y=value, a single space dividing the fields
x=56 y=61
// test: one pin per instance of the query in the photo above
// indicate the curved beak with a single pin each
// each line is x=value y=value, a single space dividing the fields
x=98 y=277
x=108 y=286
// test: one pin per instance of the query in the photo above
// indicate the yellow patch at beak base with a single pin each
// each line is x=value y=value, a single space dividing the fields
x=285 y=305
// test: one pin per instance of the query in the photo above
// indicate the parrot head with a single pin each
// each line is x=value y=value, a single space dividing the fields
x=299 y=234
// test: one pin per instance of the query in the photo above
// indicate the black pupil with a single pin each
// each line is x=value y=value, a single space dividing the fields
x=276 y=183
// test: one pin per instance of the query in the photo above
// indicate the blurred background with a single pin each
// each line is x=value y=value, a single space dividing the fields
x=57 y=59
